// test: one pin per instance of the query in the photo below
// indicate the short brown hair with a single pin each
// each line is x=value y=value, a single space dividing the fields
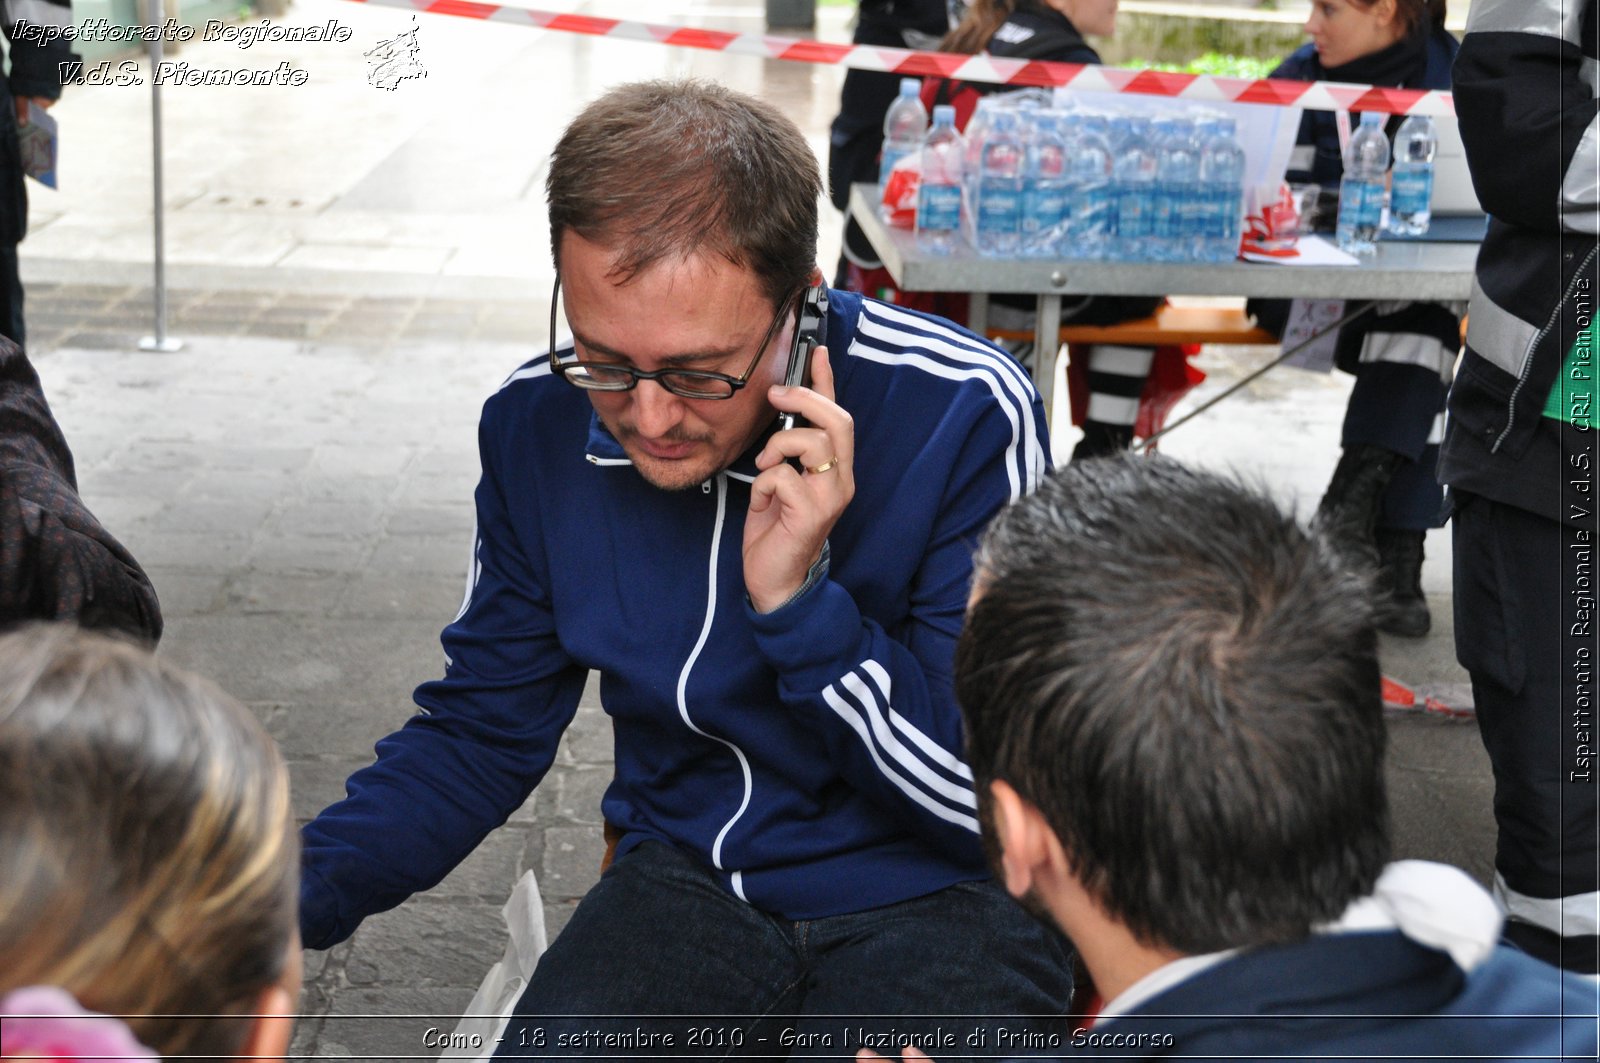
x=151 y=864
x=657 y=169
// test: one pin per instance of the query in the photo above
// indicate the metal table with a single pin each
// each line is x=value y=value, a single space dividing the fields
x=1417 y=270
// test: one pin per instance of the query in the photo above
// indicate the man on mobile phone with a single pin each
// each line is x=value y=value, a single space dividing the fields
x=799 y=838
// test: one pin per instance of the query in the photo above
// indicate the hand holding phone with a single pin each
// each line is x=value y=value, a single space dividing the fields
x=810 y=332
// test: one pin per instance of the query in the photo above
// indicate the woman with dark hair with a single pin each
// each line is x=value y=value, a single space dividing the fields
x=1383 y=497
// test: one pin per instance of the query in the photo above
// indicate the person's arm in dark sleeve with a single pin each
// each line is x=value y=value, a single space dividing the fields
x=884 y=700
x=1528 y=118
x=485 y=737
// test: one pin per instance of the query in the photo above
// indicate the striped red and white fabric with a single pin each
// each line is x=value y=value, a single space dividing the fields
x=1316 y=95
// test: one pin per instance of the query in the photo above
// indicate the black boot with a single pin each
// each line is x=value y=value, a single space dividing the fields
x=1347 y=516
x=1100 y=439
x=1401 y=608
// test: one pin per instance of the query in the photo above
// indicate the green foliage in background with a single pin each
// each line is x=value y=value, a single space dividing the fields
x=1217 y=65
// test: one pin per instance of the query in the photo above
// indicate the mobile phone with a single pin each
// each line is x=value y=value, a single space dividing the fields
x=810 y=332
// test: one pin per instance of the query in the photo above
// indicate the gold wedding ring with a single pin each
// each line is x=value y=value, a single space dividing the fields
x=824 y=467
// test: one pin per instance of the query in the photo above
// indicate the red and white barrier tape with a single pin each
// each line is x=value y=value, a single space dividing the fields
x=1452 y=701
x=1316 y=95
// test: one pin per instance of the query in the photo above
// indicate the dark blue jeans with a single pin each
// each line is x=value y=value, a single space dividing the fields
x=660 y=960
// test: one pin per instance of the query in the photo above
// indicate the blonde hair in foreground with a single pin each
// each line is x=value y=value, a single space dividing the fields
x=150 y=859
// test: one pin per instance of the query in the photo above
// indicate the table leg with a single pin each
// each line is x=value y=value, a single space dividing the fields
x=1046 y=345
x=978 y=312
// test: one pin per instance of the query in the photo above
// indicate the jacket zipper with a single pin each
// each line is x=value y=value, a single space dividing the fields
x=683 y=685
x=1527 y=356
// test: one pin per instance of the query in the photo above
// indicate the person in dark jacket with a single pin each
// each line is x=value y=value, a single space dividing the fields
x=1520 y=458
x=57 y=562
x=1141 y=762
x=1384 y=496
x=35 y=77
x=855 y=138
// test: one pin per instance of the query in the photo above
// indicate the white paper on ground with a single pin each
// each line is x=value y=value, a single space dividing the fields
x=478 y=1033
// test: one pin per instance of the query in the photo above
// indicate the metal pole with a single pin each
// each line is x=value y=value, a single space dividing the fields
x=160 y=341
x=1144 y=444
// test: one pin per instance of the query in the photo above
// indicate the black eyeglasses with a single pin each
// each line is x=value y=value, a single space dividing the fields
x=688 y=383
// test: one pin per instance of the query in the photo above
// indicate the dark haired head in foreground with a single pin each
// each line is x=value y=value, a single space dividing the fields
x=1187 y=687
x=1172 y=700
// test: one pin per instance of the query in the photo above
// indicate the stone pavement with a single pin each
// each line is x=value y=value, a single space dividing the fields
x=354 y=272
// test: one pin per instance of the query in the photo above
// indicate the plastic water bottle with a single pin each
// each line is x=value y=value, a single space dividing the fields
x=904 y=127
x=1366 y=161
x=1133 y=180
x=1411 y=184
x=1177 y=183
x=1044 y=190
x=1089 y=232
x=1222 y=178
x=977 y=129
x=1000 y=187
x=939 y=195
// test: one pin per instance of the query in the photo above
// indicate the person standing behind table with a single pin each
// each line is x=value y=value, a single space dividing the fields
x=35 y=77
x=1053 y=31
x=1384 y=496
x=855 y=140
x=773 y=639
x=1519 y=457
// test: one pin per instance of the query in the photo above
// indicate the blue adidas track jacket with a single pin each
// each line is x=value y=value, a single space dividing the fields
x=812 y=755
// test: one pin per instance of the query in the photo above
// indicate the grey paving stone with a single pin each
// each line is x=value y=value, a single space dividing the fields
x=427 y=943
x=242 y=485
x=590 y=738
x=436 y=554
x=342 y=729
x=261 y=458
x=390 y=1022
x=185 y=591
x=439 y=520
x=95 y=481
x=324 y=517
x=1444 y=815
x=311 y=553
x=578 y=796
x=207 y=550
x=319 y=485
x=275 y=590
x=491 y=871
x=316 y=784
x=314 y=1002
x=571 y=861
x=289 y=330
x=377 y=593
x=121 y=511
x=236 y=518
x=292 y=659
x=530 y=813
